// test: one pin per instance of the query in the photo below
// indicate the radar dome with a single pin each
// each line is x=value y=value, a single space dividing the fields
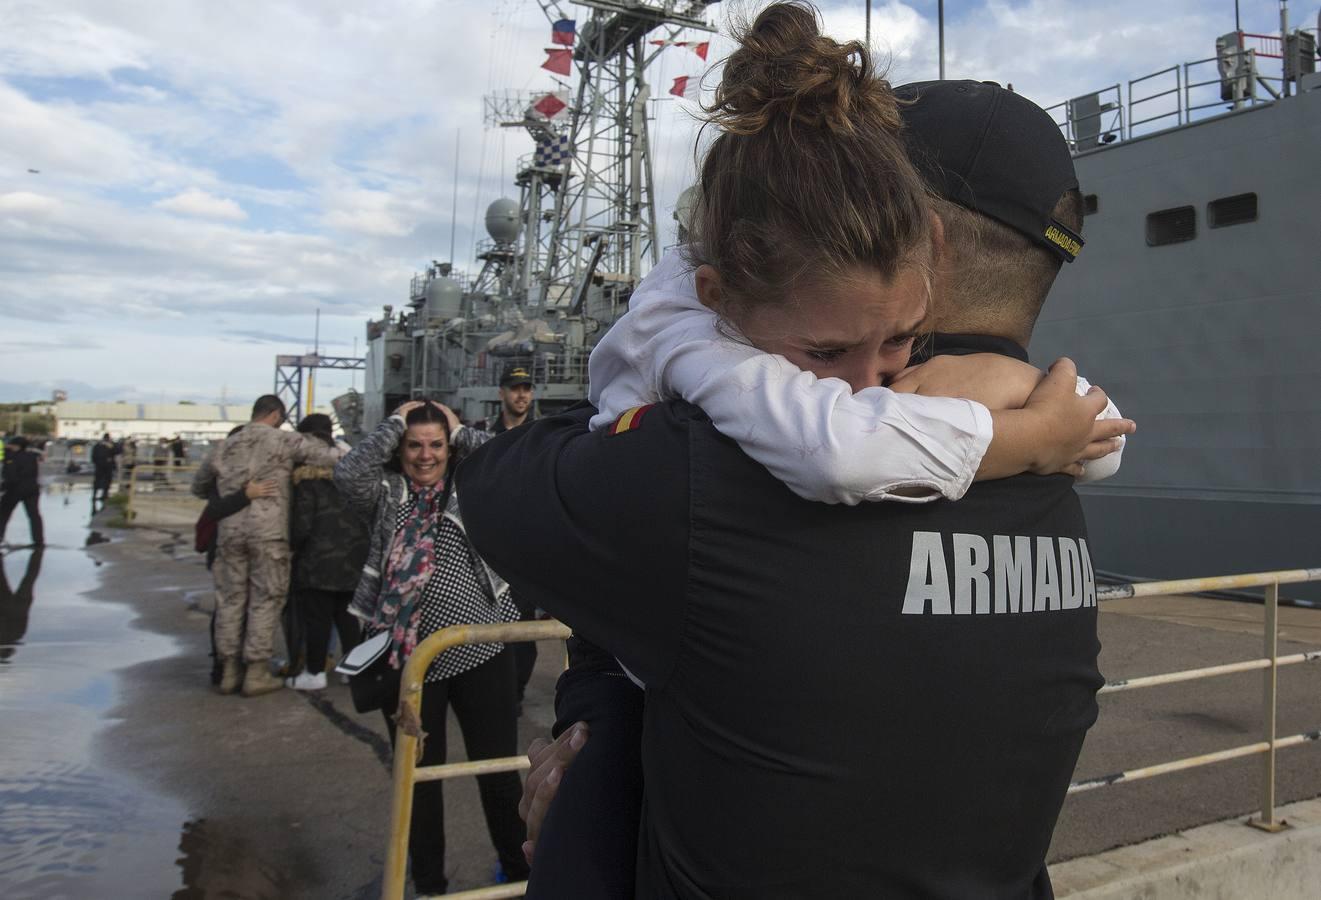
x=502 y=221
x=444 y=298
x=684 y=207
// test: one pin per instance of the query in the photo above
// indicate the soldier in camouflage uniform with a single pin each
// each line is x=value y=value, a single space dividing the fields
x=252 y=565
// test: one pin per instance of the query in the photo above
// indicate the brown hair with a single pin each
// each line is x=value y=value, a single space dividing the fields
x=808 y=176
x=997 y=278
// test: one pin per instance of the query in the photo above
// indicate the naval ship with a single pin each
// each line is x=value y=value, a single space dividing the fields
x=1196 y=304
x=1193 y=303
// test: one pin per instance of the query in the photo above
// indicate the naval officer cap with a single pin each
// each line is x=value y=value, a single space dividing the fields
x=994 y=152
x=515 y=375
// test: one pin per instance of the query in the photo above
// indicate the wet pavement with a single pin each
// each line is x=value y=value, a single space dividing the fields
x=62 y=812
x=122 y=775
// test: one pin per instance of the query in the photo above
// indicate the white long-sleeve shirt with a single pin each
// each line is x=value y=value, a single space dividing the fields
x=821 y=439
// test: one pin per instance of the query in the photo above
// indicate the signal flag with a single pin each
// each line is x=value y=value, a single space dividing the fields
x=551 y=105
x=563 y=31
x=700 y=49
x=558 y=61
x=687 y=86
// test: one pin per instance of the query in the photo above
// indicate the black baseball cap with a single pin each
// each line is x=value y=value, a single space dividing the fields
x=515 y=375
x=994 y=152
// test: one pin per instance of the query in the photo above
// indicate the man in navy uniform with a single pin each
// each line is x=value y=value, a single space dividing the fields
x=517 y=396
x=881 y=700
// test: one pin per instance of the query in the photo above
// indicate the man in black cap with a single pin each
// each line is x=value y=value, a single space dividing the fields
x=516 y=398
x=966 y=700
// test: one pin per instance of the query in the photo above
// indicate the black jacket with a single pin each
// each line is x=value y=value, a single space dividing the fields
x=19 y=474
x=881 y=700
x=328 y=539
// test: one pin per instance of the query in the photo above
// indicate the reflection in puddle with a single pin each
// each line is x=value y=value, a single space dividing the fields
x=69 y=827
x=217 y=863
x=16 y=602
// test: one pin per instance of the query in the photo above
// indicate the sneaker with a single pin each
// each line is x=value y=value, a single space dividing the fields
x=306 y=681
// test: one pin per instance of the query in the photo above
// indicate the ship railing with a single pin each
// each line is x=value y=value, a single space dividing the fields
x=1198 y=86
x=1160 y=80
x=409 y=737
x=1269 y=663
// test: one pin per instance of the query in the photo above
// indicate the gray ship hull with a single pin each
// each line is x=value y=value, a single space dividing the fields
x=1212 y=342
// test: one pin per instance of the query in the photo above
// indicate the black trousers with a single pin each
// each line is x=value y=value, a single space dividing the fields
x=101 y=480
x=525 y=653
x=320 y=609
x=588 y=845
x=9 y=500
x=483 y=700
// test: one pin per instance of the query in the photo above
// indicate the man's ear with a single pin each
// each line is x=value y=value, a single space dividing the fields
x=937 y=239
x=709 y=288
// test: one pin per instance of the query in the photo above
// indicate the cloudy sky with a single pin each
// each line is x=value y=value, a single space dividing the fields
x=208 y=176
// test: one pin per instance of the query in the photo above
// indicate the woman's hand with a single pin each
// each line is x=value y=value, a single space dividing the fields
x=450 y=417
x=407 y=407
x=1055 y=431
x=995 y=381
x=256 y=489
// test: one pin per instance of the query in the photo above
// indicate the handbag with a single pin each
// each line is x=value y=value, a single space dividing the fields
x=371 y=679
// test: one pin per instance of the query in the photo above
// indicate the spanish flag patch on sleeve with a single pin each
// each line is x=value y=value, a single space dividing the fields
x=631 y=420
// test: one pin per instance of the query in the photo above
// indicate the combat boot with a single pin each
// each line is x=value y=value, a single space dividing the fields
x=258 y=680
x=231 y=676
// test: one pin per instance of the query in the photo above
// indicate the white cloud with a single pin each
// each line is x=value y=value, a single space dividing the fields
x=28 y=205
x=353 y=117
x=193 y=202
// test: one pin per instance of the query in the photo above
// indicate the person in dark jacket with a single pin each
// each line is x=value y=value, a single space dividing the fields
x=18 y=479
x=329 y=543
x=103 y=467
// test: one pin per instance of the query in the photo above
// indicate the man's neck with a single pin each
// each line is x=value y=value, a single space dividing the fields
x=511 y=420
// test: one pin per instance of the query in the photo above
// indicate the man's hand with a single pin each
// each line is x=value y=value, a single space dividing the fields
x=995 y=381
x=255 y=489
x=549 y=760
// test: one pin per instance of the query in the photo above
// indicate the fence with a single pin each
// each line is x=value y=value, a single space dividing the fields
x=408 y=739
x=157 y=494
x=407 y=773
x=1269 y=663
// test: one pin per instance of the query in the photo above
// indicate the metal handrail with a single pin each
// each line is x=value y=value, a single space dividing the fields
x=409 y=737
x=1270 y=664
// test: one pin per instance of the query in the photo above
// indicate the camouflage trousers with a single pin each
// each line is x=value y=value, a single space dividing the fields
x=252 y=583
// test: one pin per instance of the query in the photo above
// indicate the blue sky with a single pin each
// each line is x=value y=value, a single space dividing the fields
x=210 y=174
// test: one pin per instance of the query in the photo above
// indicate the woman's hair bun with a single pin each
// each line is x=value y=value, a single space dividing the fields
x=786 y=70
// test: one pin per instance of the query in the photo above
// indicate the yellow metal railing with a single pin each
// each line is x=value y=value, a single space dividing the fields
x=1270 y=663
x=408 y=745
x=409 y=735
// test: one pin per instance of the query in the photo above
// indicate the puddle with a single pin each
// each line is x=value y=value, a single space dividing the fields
x=69 y=827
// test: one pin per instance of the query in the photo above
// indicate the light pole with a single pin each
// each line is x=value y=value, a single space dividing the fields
x=940 y=28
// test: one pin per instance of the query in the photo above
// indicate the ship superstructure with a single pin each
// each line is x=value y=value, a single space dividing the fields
x=562 y=259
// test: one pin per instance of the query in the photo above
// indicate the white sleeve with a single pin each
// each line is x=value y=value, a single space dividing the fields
x=1100 y=469
x=814 y=434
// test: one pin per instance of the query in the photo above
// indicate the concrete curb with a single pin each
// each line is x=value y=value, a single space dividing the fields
x=1222 y=860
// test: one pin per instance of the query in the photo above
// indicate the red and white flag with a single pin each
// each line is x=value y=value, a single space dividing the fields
x=552 y=104
x=687 y=86
x=558 y=61
x=699 y=48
